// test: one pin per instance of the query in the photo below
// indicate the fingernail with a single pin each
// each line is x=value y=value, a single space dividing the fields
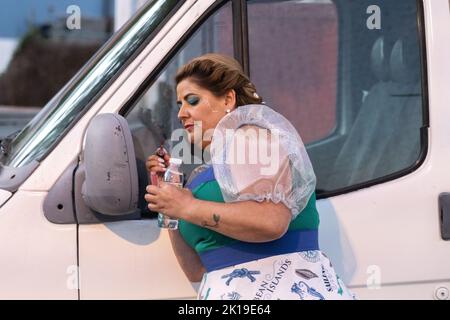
x=161 y=160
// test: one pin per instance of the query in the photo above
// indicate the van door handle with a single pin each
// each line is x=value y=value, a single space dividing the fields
x=444 y=215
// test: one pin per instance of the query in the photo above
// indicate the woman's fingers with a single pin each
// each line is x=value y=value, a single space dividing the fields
x=166 y=159
x=158 y=164
x=150 y=198
x=155 y=165
x=153 y=158
x=153 y=207
x=157 y=169
x=151 y=189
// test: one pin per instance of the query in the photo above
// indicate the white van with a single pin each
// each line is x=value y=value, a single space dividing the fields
x=366 y=84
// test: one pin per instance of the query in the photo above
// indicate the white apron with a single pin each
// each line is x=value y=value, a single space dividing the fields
x=307 y=275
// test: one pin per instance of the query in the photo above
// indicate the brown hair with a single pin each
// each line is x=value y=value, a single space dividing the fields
x=219 y=74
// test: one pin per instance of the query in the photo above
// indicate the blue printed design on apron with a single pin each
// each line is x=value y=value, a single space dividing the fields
x=240 y=273
x=304 y=290
x=310 y=256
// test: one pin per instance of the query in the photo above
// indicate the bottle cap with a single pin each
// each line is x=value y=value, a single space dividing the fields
x=175 y=161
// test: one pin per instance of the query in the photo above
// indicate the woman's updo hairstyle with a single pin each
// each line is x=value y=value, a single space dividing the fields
x=219 y=74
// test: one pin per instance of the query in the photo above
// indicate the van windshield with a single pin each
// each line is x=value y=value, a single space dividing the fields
x=42 y=133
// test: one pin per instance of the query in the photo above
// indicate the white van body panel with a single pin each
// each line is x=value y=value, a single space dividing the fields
x=384 y=240
x=131 y=260
x=38 y=259
x=4 y=196
x=405 y=291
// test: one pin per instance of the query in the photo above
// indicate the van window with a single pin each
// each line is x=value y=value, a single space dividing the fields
x=347 y=74
x=59 y=115
x=153 y=118
x=294 y=59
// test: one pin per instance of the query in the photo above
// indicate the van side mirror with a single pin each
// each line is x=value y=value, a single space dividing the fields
x=111 y=185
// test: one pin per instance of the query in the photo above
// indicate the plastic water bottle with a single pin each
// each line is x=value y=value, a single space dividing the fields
x=174 y=176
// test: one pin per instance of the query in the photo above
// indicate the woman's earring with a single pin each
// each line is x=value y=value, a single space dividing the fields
x=228 y=111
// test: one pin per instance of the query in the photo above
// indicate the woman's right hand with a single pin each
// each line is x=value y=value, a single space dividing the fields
x=157 y=164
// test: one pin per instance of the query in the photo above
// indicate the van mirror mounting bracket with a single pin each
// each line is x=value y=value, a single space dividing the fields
x=58 y=205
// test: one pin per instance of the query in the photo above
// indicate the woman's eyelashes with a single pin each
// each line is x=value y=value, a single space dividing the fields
x=193 y=100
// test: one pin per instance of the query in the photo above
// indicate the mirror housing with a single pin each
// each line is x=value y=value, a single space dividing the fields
x=111 y=186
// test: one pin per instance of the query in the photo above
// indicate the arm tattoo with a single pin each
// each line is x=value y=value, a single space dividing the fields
x=216 y=219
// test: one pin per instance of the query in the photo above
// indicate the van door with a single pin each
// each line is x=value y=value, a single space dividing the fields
x=357 y=85
x=39 y=236
x=133 y=258
x=352 y=77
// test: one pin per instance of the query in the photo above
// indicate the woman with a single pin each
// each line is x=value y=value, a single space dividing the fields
x=238 y=245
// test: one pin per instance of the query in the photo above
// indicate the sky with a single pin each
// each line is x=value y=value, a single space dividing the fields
x=15 y=14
